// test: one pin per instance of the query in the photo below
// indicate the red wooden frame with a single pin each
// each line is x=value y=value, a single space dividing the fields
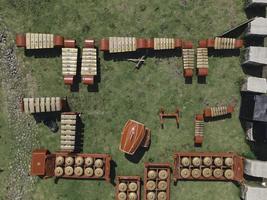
x=175 y=115
x=128 y=180
x=237 y=167
x=157 y=167
x=49 y=165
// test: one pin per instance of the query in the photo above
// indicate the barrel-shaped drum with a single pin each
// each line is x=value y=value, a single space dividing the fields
x=21 y=40
x=141 y=43
x=186 y=161
x=152 y=174
x=104 y=45
x=151 y=185
x=58 y=41
x=150 y=43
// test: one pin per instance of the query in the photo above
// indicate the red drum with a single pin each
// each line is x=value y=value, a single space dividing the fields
x=202 y=44
x=89 y=43
x=188 y=73
x=68 y=80
x=104 y=45
x=88 y=80
x=239 y=44
x=58 y=41
x=177 y=43
x=69 y=43
x=202 y=71
x=141 y=43
x=210 y=43
x=150 y=43
x=187 y=45
x=21 y=40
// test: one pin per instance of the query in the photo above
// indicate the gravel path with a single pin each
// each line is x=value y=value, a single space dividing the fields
x=22 y=127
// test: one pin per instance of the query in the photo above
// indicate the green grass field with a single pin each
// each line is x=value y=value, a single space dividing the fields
x=126 y=93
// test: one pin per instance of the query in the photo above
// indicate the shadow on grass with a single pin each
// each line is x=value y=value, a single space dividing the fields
x=113 y=166
x=259 y=147
x=51 y=116
x=97 y=78
x=237 y=30
x=202 y=80
x=254 y=41
x=252 y=70
x=49 y=119
x=175 y=183
x=224 y=52
x=252 y=178
x=169 y=117
x=43 y=53
x=56 y=52
x=77 y=78
x=260 y=136
x=76 y=82
x=188 y=80
x=79 y=140
x=255 y=11
x=142 y=52
x=218 y=118
x=197 y=145
x=137 y=156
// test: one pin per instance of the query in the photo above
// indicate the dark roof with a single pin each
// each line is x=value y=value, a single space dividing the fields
x=254 y=108
x=260 y=132
x=260 y=109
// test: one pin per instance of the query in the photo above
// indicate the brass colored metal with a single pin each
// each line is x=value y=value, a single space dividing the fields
x=162 y=185
x=163 y=174
x=152 y=174
x=185 y=173
x=58 y=171
x=196 y=173
x=68 y=171
x=79 y=160
x=59 y=160
x=132 y=196
x=89 y=171
x=207 y=172
x=69 y=161
x=122 y=196
x=151 y=196
x=186 y=161
x=218 y=173
x=218 y=162
x=196 y=161
x=132 y=187
x=78 y=171
x=122 y=187
x=151 y=185
x=89 y=161
x=162 y=196
x=99 y=172
x=229 y=174
x=229 y=162
x=207 y=161
x=98 y=163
